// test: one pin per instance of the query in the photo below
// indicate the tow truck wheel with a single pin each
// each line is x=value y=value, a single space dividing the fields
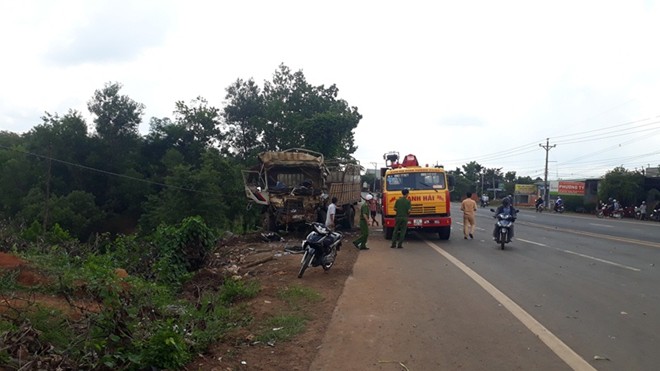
x=444 y=233
x=388 y=232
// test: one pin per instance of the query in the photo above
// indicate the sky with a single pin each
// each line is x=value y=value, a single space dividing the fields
x=449 y=81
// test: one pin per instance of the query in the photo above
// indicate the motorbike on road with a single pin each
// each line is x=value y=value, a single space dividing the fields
x=320 y=248
x=560 y=208
x=606 y=211
x=503 y=227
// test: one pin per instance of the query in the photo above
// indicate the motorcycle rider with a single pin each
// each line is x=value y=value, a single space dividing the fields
x=484 y=200
x=610 y=204
x=507 y=209
x=558 y=203
x=539 y=202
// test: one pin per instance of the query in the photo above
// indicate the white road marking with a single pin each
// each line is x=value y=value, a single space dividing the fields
x=532 y=242
x=583 y=255
x=563 y=351
x=599 y=259
x=602 y=225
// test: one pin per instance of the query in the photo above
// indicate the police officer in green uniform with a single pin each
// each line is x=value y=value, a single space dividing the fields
x=402 y=207
x=365 y=212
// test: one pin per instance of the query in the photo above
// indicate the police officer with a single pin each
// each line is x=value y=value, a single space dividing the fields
x=402 y=208
x=361 y=242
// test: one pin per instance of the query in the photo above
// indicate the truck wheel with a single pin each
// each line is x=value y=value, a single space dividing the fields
x=269 y=222
x=349 y=217
x=388 y=232
x=444 y=233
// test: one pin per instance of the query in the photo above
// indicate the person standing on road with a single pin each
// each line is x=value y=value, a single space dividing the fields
x=330 y=215
x=402 y=208
x=361 y=242
x=373 y=208
x=642 y=211
x=469 y=207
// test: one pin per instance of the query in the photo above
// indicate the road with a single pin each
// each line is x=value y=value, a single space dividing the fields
x=570 y=292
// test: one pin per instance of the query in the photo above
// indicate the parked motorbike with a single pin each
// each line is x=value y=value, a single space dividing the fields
x=503 y=228
x=655 y=215
x=606 y=211
x=321 y=246
x=631 y=212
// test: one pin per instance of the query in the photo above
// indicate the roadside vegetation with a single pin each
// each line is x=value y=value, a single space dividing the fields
x=112 y=225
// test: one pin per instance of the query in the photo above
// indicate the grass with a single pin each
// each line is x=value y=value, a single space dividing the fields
x=282 y=327
x=295 y=296
x=285 y=326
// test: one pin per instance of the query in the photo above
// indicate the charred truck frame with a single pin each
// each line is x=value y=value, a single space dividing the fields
x=295 y=186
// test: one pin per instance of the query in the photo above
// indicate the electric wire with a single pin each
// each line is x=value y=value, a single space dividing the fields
x=572 y=138
x=110 y=172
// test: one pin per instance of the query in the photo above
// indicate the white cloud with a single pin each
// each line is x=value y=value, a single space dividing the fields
x=449 y=81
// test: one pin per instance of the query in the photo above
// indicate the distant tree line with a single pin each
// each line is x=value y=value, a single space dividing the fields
x=108 y=177
x=476 y=178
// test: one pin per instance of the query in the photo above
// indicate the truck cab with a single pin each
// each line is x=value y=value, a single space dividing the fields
x=428 y=189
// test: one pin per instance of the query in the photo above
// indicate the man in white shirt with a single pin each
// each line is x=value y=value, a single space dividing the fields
x=330 y=215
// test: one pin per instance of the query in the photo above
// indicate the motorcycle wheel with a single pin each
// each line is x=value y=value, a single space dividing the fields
x=306 y=260
x=503 y=237
x=329 y=265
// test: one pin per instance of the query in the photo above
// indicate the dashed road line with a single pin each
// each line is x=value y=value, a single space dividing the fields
x=563 y=351
x=596 y=235
x=583 y=255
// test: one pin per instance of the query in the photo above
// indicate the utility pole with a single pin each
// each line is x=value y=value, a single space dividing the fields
x=47 y=201
x=375 y=174
x=547 y=148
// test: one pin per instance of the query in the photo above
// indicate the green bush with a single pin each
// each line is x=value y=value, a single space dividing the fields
x=182 y=249
x=236 y=289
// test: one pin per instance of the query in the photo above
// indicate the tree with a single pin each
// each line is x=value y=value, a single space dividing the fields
x=117 y=149
x=293 y=113
x=625 y=186
x=213 y=191
x=244 y=116
x=117 y=116
x=472 y=171
x=63 y=143
x=200 y=129
x=17 y=174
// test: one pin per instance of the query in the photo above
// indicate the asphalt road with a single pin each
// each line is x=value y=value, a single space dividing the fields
x=570 y=292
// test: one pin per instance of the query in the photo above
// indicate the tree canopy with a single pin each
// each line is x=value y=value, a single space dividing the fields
x=114 y=179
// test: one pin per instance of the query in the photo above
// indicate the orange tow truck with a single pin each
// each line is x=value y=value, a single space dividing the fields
x=428 y=188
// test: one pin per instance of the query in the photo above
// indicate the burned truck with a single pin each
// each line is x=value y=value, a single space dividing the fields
x=295 y=186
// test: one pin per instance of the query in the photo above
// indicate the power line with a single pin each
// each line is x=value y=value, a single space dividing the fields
x=526 y=148
x=110 y=172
